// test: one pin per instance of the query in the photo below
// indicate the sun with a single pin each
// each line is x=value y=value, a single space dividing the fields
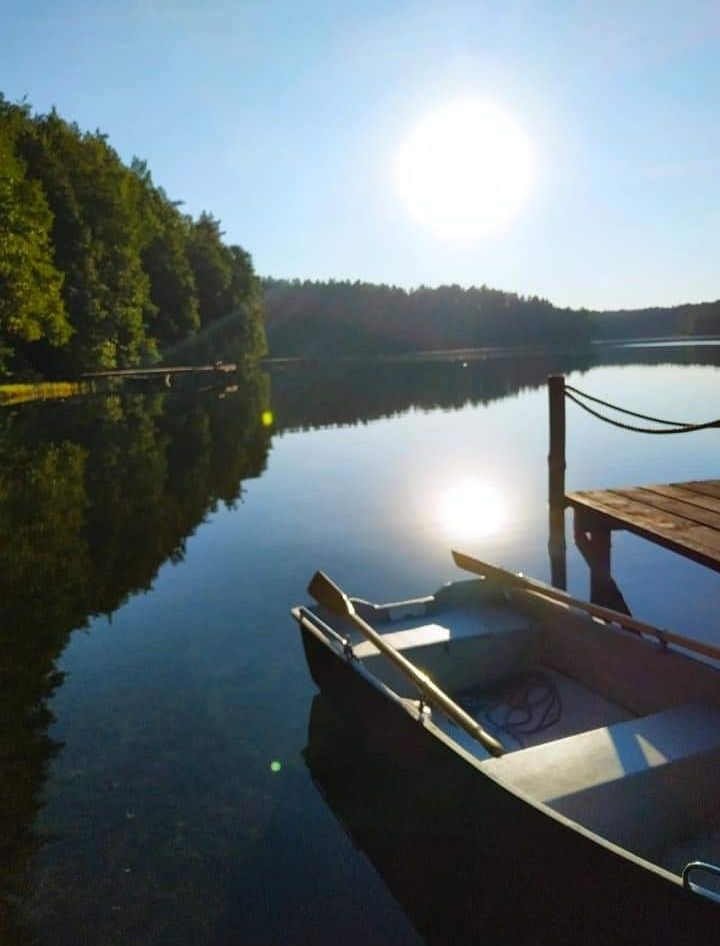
x=465 y=169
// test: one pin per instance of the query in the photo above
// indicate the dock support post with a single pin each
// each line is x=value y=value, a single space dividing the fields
x=593 y=540
x=556 y=481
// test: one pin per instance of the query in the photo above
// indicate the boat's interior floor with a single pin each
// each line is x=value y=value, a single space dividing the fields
x=647 y=783
x=531 y=708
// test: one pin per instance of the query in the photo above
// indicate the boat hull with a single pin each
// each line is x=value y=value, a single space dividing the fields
x=530 y=876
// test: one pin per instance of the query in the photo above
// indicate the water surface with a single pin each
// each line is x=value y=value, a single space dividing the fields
x=158 y=786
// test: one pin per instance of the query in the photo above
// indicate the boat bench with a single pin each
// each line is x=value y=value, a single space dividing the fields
x=458 y=647
x=640 y=783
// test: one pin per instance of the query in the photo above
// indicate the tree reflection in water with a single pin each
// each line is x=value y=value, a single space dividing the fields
x=93 y=500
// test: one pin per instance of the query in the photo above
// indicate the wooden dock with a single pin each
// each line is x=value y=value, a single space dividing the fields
x=682 y=517
x=167 y=372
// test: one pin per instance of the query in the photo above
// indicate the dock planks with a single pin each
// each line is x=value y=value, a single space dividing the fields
x=221 y=367
x=683 y=517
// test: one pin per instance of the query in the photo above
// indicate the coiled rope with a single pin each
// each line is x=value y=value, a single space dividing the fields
x=672 y=426
x=518 y=706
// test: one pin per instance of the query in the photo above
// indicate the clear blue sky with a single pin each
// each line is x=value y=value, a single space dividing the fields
x=283 y=119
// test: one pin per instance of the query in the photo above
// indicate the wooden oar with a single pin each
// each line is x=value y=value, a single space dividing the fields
x=327 y=593
x=512 y=580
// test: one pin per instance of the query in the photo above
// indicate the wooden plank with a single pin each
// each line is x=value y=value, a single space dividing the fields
x=705 y=487
x=640 y=513
x=678 y=507
x=701 y=500
x=698 y=541
x=683 y=517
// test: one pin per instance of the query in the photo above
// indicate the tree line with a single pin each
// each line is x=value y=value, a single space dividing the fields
x=99 y=268
x=320 y=319
x=314 y=318
x=700 y=318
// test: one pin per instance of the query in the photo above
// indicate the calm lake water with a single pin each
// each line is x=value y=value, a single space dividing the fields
x=168 y=776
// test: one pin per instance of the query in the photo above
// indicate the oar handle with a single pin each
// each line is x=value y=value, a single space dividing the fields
x=429 y=689
x=503 y=577
x=327 y=593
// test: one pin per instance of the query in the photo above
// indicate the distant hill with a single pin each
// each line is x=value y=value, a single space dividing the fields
x=319 y=319
x=315 y=319
x=690 y=319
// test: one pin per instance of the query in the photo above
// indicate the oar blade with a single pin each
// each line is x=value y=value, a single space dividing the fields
x=491 y=572
x=466 y=562
x=329 y=595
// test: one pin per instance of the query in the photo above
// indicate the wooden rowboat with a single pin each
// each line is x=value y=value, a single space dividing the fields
x=575 y=750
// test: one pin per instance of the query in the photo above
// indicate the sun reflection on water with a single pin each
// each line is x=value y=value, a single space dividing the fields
x=470 y=508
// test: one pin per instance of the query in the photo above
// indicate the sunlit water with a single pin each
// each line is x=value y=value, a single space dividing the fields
x=168 y=800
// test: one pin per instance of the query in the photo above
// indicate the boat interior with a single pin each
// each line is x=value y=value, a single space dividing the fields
x=612 y=730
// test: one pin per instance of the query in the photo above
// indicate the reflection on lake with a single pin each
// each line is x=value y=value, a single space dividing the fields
x=672 y=343
x=95 y=494
x=154 y=788
x=470 y=509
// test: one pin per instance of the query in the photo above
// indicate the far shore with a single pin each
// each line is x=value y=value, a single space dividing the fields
x=14 y=392
x=479 y=354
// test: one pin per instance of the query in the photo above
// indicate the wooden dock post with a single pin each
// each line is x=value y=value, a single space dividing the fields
x=593 y=539
x=556 y=481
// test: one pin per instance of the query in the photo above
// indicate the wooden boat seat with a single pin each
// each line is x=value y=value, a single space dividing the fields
x=638 y=783
x=458 y=647
x=450 y=624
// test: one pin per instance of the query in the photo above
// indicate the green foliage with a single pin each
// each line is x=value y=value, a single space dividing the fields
x=212 y=267
x=230 y=298
x=98 y=268
x=165 y=260
x=224 y=275
x=326 y=318
x=31 y=305
x=247 y=302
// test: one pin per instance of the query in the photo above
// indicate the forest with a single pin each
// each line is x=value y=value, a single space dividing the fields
x=701 y=318
x=318 y=319
x=321 y=318
x=99 y=268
